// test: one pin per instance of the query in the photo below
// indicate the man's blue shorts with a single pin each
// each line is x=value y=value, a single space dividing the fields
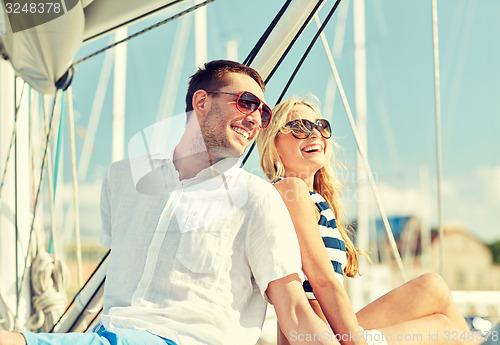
x=114 y=336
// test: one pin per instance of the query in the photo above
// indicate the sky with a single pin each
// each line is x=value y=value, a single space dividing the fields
x=401 y=132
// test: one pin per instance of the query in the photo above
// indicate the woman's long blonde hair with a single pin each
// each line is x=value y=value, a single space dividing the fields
x=325 y=181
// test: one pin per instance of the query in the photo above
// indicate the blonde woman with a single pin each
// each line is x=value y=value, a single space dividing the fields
x=296 y=154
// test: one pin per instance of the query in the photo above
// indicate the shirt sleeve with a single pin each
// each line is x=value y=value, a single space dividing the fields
x=272 y=245
x=105 y=212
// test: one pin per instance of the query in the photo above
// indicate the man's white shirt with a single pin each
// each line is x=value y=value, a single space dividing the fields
x=191 y=260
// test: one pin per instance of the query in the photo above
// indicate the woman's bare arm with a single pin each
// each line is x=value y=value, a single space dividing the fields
x=316 y=264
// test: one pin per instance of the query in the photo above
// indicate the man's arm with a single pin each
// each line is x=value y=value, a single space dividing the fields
x=296 y=319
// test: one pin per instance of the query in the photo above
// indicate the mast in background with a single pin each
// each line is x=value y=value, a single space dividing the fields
x=200 y=36
x=358 y=292
x=232 y=50
x=119 y=93
x=15 y=201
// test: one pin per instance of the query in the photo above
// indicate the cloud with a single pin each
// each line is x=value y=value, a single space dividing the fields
x=489 y=182
x=406 y=201
x=473 y=202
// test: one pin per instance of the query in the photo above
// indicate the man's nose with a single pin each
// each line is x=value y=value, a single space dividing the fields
x=255 y=116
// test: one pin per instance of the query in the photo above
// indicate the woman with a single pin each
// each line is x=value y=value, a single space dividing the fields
x=295 y=153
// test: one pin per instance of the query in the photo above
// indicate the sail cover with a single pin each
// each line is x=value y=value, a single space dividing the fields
x=40 y=39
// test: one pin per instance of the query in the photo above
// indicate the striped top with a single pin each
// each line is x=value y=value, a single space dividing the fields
x=332 y=239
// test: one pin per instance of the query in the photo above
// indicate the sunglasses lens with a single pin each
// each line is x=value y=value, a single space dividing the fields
x=265 y=116
x=301 y=129
x=324 y=128
x=248 y=103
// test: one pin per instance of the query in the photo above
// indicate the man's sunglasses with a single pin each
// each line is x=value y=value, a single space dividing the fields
x=302 y=128
x=247 y=103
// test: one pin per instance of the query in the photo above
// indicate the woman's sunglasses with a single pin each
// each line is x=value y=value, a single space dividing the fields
x=302 y=128
x=247 y=103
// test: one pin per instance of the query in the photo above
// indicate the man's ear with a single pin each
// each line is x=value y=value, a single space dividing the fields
x=200 y=102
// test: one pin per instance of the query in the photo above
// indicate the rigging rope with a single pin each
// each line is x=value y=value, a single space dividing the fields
x=51 y=191
x=316 y=8
x=364 y=158
x=180 y=14
x=306 y=53
x=72 y=303
x=12 y=140
x=49 y=276
x=255 y=50
x=74 y=178
x=35 y=204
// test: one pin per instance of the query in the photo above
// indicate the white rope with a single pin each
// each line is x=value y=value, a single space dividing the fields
x=362 y=154
x=12 y=140
x=49 y=280
x=74 y=176
x=50 y=179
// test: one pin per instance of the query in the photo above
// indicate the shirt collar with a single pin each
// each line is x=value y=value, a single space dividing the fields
x=156 y=174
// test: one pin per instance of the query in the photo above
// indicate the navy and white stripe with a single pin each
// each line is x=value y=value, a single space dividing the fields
x=332 y=239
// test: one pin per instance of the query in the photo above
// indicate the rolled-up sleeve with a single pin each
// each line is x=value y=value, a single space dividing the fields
x=272 y=245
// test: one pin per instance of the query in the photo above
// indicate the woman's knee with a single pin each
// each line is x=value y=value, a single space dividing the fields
x=435 y=288
x=433 y=281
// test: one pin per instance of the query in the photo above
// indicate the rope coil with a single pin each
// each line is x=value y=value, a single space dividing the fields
x=49 y=280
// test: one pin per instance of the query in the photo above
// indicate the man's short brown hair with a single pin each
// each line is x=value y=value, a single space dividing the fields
x=213 y=76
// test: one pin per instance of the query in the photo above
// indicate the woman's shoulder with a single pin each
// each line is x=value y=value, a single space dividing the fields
x=294 y=190
x=291 y=184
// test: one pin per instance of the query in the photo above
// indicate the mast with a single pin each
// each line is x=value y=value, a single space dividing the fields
x=362 y=237
x=14 y=201
x=437 y=104
x=119 y=89
x=173 y=73
x=200 y=36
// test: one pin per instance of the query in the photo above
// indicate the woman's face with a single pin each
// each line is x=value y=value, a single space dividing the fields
x=301 y=157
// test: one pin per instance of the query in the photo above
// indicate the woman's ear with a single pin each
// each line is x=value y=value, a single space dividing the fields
x=200 y=100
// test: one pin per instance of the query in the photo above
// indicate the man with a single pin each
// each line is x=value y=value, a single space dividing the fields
x=197 y=243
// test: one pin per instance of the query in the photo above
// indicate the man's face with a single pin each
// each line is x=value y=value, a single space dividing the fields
x=226 y=131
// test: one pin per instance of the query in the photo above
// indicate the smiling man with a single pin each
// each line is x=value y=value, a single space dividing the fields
x=197 y=243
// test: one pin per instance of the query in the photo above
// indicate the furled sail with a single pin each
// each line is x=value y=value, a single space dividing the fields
x=41 y=39
x=40 y=42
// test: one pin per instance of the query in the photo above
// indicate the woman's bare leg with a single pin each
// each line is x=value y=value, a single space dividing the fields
x=435 y=329
x=423 y=296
